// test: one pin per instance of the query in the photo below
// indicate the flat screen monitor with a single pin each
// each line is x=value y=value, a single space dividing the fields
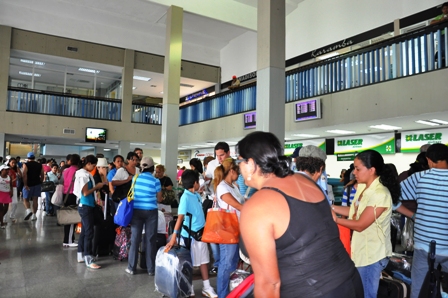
x=250 y=120
x=95 y=135
x=307 y=110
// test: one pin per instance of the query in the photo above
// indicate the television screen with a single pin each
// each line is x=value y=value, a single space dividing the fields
x=95 y=135
x=250 y=120
x=308 y=110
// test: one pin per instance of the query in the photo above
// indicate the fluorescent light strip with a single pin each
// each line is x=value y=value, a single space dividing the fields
x=25 y=73
x=137 y=144
x=32 y=62
x=443 y=122
x=385 y=127
x=304 y=135
x=88 y=70
x=340 y=131
x=105 y=149
x=427 y=123
x=141 y=78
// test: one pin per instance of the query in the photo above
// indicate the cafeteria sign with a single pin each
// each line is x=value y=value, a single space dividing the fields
x=411 y=141
x=291 y=146
x=346 y=148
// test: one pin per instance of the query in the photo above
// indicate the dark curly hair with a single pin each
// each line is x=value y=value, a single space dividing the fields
x=372 y=159
x=267 y=152
x=309 y=164
x=420 y=164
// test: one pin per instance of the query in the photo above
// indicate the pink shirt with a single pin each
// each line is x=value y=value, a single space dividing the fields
x=46 y=168
x=68 y=175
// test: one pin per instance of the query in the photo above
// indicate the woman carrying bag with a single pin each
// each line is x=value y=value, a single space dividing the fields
x=229 y=197
x=85 y=190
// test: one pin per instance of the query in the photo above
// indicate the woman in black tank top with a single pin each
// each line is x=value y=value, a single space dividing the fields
x=288 y=230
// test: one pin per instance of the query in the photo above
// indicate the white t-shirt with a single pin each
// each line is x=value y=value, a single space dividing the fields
x=224 y=188
x=161 y=224
x=211 y=166
x=5 y=184
x=122 y=174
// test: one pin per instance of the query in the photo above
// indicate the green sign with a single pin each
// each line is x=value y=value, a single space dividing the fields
x=383 y=143
x=346 y=156
x=291 y=146
x=411 y=141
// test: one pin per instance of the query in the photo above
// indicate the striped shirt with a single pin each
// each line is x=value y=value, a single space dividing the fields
x=430 y=190
x=145 y=191
x=350 y=197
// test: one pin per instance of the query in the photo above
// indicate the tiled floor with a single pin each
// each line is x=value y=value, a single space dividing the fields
x=33 y=263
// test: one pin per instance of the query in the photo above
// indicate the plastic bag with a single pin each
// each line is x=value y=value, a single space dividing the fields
x=407 y=237
x=237 y=277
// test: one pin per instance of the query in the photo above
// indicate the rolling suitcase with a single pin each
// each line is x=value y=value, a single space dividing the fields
x=122 y=243
x=104 y=234
x=174 y=271
x=392 y=288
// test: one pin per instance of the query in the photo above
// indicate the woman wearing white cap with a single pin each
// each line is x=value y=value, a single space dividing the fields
x=5 y=193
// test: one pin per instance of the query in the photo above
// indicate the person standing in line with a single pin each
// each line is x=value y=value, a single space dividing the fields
x=15 y=174
x=85 y=189
x=222 y=151
x=5 y=193
x=52 y=176
x=147 y=192
x=369 y=217
x=33 y=176
x=139 y=153
x=68 y=176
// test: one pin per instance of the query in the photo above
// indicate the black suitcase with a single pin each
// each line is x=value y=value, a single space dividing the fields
x=104 y=234
x=392 y=288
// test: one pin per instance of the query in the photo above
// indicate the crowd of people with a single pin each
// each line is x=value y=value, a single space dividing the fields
x=281 y=205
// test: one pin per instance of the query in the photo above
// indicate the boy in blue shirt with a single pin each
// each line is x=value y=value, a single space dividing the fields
x=190 y=209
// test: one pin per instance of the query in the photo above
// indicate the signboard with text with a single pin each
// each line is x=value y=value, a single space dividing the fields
x=411 y=141
x=291 y=146
x=347 y=147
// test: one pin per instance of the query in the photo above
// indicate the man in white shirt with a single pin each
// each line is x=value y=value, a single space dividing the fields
x=222 y=151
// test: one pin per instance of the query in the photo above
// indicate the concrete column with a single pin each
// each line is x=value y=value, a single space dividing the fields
x=2 y=144
x=123 y=148
x=271 y=67
x=126 y=83
x=171 y=90
x=5 y=52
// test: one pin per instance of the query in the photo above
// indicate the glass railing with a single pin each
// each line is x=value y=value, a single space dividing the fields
x=405 y=55
x=223 y=104
x=151 y=114
x=31 y=101
x=409 y=54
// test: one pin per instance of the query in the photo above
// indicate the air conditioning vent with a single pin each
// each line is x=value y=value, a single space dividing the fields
x=68 y=131
x=72 y=49
x=70 y=74
x=83 y=81
x=186 y=85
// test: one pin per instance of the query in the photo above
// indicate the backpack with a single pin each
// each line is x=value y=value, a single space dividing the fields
x=207 y=204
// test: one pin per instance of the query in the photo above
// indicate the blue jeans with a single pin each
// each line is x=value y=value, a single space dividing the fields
x=85 y=241
x=420 y=267
x=215 y=251
x=370 y=276
x=149 y=218
x=48 y=206
x=229 y=257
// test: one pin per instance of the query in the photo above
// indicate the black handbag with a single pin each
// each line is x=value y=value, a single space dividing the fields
x=98 y=215
x=48 y=186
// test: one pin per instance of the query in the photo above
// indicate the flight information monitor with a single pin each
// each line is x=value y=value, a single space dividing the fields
x=308 y=110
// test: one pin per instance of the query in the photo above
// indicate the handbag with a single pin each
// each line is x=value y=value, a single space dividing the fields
x=345 y=234
x=169 y=196
x=57 y=198
x=407 y=236
x=48 y=186
x=125 y=210
x=221 y=227
x=68 y=215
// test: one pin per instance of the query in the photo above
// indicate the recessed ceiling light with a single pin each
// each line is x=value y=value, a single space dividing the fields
x=304 y=135
x=137 y=144
x=25 y=73
x=146 y=79
x=88 y=70
x=106 y=149
x=133 y=88
x=340 y=131
x=385 y=127
x=427 y=123
x=32 y=62
x=161 y=92
x=288 y=139
x=439 y=121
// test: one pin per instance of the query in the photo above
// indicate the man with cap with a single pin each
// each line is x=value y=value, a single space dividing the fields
x=235 y=83
x=294 y=156
x=33 y=176
x=318 y=157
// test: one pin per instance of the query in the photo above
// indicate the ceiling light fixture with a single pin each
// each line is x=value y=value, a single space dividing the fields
x=88 y=70
x=106 y=149
x=305 y=135
x=140 y=78
x=341 y=132
x=32 y=62
x=427 y=122
x=385 y=127
x=25 y=73
x=133 y=88
x=329 y=55
x=443 y=122
x=161 y=92
x=137 y=144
